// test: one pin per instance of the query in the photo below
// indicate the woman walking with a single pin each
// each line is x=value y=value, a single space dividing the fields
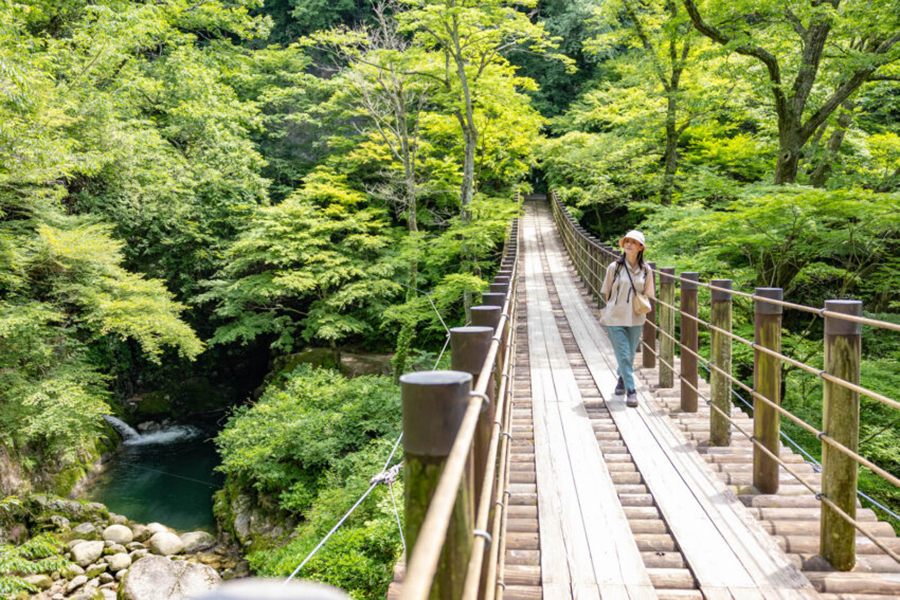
x=628 y=276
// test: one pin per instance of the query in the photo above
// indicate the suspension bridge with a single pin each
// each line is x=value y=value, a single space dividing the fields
x=527 y=478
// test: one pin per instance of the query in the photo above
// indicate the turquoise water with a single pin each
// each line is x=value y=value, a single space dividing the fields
x=166 y=476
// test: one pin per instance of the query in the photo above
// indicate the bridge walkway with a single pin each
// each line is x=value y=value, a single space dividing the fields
x=611 y=502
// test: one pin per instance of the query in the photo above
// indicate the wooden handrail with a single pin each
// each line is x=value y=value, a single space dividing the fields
x=425 y=556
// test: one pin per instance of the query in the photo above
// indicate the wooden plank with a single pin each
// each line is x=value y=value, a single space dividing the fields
x=555 y=576
x=581 y=493
x=615 y=556
x=705 y=526
x=547 y=367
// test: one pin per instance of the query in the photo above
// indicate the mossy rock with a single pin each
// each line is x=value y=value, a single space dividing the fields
x=152 y=406
x=315 y=357
x=182 y=398
x=282 y=365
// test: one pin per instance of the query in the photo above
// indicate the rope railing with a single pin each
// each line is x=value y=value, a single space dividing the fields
x=821 y=312
x=839 y=433
x=454 y=511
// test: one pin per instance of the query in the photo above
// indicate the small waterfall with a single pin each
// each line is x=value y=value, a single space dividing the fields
x=123 y=428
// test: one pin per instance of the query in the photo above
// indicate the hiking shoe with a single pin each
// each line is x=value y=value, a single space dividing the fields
x=620 y=387
x=631 y=398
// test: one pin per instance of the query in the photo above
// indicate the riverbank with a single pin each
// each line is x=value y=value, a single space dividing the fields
x=108 y=554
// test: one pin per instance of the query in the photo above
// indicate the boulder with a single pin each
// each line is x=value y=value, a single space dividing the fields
x=159 y=578
x=95 y=569
x=115 y=519
x=106 y=578
x=117 y=562
x=135 y=546
x=76 y=583
x=242 y=509
x=85 y=529
x=138 y=554
x=118 y=534
x=165 y=543
x=60 y=522
x=72 y=571
x=87 y=552
x=195 y=541
x=115 y=549
x=41 y=582
x=141 y=533
x=155 y=528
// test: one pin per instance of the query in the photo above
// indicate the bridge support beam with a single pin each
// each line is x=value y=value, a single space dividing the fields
x=689 y=342
x=667 y=327
x=434 y=403
x=840 y=422
x=720 y=356
x=767 y=383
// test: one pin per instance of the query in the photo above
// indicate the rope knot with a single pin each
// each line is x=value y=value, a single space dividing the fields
x=387 y=477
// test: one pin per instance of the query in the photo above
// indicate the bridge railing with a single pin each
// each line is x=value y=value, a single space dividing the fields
x=840 y=378
x=457 y=437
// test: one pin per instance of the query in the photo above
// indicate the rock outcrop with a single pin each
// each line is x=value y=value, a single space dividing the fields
x=161 y=578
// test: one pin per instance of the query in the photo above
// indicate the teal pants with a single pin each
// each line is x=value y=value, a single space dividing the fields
x=625 y=342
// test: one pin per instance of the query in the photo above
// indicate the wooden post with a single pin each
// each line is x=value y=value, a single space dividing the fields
x=493 y=299
x=486 y=316
x=720 y=355
x=434 y=403
x=840 y=421
x=767 y=383
x=666 y=325
x=469 y=347
x=499 y=288
x=689 y=342
x=648 y=334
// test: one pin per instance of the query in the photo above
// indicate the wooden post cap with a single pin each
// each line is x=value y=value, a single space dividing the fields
x=501 y=279
x=493 y=299
x=469 y=347
x=270 y=589
x=499 y=288
x=665 y=274
x=838 y=326
x=719 y=295
x=434 y=403
x=692 y=279
x=761 y=307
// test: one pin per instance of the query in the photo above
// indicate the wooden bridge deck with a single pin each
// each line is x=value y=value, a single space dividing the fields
x=612 y=502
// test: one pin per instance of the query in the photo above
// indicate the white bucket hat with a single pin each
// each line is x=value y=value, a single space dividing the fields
x=634 y=234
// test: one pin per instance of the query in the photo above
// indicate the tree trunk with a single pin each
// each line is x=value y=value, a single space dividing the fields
x=467 y=189
x=823 y=169
x=789 y=146
x=671 y=154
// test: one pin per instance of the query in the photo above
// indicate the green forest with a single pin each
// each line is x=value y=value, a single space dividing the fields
x=196 y=194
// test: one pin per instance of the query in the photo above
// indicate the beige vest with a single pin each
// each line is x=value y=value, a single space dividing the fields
x=619 y=308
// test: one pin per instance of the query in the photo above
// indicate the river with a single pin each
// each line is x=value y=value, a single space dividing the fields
x=167 y=476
